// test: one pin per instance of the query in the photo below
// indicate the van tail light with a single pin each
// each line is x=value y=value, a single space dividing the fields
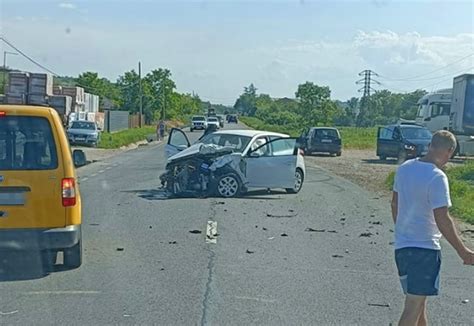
x=68 y=186
x=3 y=114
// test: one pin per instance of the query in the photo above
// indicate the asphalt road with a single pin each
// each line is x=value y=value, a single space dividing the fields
x=143 y=266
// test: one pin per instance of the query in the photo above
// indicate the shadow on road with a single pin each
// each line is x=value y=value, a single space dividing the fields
x=162 y=194
x=18 y=265
x=378 y=161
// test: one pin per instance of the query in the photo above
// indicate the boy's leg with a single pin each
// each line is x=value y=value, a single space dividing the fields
x=423 y=318
x=414 y=311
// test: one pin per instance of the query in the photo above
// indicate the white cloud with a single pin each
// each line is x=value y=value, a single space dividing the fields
x=67 y=5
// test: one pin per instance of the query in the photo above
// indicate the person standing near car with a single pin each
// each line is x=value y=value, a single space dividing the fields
x=420 y=204
x=161 y=130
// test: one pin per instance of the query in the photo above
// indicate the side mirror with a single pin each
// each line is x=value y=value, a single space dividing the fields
x=79 y=158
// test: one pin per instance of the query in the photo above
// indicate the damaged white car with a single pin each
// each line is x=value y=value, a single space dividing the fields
x=227 y=163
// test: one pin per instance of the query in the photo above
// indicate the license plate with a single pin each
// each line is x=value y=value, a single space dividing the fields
x=80 y=139
x=12 y=199
x=326 y=141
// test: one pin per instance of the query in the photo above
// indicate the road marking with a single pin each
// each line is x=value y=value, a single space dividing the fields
x=211 y=232
x=108 y=168
x=101 y=171
x=255 y=299
x=84 y=179
x=63 y=292
x=93 y=174
x=8 y=313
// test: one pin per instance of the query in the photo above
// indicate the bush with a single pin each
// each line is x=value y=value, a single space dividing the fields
x=125 y=137
x=352 y=137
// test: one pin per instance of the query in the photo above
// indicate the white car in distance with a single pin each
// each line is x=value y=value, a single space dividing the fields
x=241 y=159
x=213 y=121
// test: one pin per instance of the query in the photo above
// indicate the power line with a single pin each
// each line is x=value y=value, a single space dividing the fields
x=416 y=78
x=367 y=80
x=27 y=57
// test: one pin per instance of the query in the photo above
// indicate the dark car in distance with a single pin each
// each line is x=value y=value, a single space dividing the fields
x=402 y=141
x=322 y=140
x=232 y=118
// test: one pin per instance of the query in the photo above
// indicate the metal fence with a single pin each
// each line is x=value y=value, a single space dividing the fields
x=116 y=120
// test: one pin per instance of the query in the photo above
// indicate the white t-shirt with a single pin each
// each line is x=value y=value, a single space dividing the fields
x=421 y=187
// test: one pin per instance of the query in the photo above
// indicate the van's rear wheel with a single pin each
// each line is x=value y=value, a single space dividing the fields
x=73 y=256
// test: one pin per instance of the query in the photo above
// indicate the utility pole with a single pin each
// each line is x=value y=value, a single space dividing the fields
x=366 y=81
x=5 y=66
x=140 y=92
x=163 y=109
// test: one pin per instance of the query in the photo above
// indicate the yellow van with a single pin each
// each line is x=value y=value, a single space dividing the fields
x=40 y=203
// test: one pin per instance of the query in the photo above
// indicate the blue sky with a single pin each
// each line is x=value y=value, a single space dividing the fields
x=215 y=48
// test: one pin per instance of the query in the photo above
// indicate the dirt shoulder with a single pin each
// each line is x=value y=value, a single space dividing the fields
x=365 y=169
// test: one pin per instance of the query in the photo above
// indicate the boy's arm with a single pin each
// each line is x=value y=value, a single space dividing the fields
x=448 y=230
x=394 y=205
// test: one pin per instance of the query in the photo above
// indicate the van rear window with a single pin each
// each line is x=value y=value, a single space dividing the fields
x=27 y=143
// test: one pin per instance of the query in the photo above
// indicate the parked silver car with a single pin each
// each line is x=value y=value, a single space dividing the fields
x=84 y=133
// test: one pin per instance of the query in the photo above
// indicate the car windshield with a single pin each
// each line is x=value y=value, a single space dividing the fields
x=212 y=120
x=326 y=133
x=237 y=142
x=416 y=133
x=26 y=143
x=82 y=125
x=199 y=119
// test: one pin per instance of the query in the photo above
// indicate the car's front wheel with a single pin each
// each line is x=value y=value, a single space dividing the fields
x=228 y=185
x=299 y=179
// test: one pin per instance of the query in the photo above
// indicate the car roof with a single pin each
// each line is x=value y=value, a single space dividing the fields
x=323 y=128
x=27 y=110
x=249 y=132
x=408 y=125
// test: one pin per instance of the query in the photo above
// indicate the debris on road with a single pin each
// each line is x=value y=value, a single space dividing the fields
x=291 y=210
x=391 y=243
x=332 y=231
x=172 y=242
x=315 y=230
x=465 y=301
x=250 y=251
x=195 y=231
x=271 y=238
x=366 y=234
x=220 y=203
x=94 y=224
x=343 y=219
x=14 y=312
x=376 y=223
x=372 y=215
x=391 y=230
x=383 y=305
x=337 y=256
x=284 y=235
x=264 y=229
x=150 y=227
x=347 y=251
x=281 y=216
x=162 y=269
x=120 y=249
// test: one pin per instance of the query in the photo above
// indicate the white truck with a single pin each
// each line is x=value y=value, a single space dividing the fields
x=453 y=110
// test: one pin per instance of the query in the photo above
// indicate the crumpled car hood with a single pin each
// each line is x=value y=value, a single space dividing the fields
x=200 y=148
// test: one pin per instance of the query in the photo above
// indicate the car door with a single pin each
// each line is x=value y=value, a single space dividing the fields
x=396 y=143
x=177 y=141
x=273 y=164
x=384 y=141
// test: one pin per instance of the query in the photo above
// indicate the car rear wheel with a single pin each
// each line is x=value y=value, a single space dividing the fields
x=299 y=178
x=338 y=153
x=73 y=256
x=228 y=185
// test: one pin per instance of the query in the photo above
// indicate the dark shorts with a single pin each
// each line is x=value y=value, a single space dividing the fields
x=418 y=269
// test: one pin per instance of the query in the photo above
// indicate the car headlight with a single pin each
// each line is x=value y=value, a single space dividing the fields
x=410 y=147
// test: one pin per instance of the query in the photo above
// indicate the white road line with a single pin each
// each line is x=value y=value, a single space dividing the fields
x=108 y=168
x=63 y=292
x=101 y=171
x=211 y=232
x=84 y=179
x=93 y=174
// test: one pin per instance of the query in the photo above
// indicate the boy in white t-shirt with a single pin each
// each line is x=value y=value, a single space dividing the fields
x=420 y=205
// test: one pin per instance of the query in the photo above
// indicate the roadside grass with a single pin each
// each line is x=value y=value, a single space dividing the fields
x=125 y=137
x=461 y=184
x=352 y=137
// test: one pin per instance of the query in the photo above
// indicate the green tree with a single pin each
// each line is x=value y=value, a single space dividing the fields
x=246 y=103
x=315 y=103
x=102 y=87
x=162 y=87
